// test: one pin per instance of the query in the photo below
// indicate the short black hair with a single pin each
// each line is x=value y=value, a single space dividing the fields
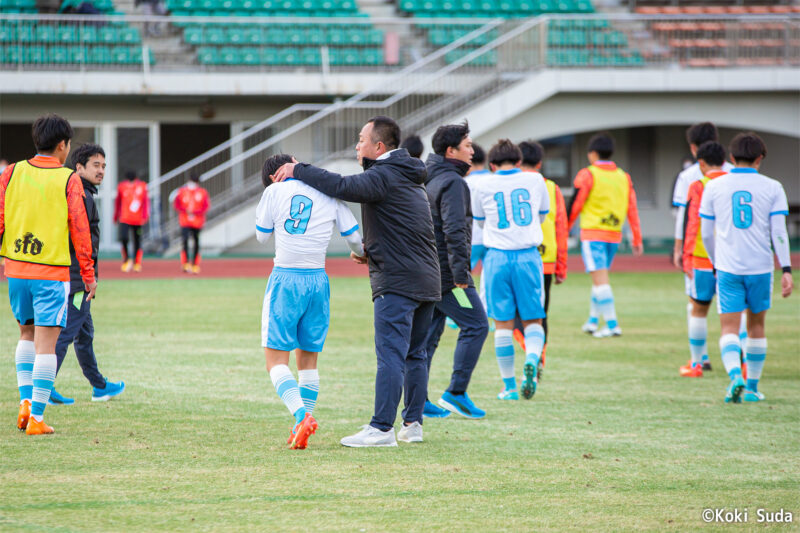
x=505 y=152
x=479 y=157
x=83 y=154
x=271 y=166
x=603 y=144
x=385 y=130
x=194 y=177
x=532 y=153
x=701 y=132
x=712 y=152
x=449 y=136
x=414 y=146
x=747 y=147
x=49 y=130
x=130 y=175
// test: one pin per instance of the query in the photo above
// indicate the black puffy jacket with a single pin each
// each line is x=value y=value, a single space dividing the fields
x=398 y=231
x=449 y=197
x=75 y=280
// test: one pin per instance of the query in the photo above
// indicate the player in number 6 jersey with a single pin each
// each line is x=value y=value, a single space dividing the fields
x=510 y=208
x=739 y=211
x=296 y=310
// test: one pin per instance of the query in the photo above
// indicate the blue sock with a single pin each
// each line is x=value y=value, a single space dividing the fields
x=756 y=352
x=286 y=387
x=729 y=349
x=44 y=374
x=504 y=351
x=24 y=359
x=308 y=381
x=534 y=342
x=594 y=307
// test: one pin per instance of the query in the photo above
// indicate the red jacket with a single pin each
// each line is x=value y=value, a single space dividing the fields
x=191 y=203
x=692 y=225
x=132 y=205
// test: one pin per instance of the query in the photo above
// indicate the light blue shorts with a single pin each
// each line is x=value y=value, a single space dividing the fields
x=40 y=302
x=514 y=283
x=702 y=286
x=598 y=255
x=735 y=293
x=296 y=311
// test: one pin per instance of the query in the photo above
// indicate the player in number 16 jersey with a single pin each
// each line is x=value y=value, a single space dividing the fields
x=296 y=310
x=511 y=206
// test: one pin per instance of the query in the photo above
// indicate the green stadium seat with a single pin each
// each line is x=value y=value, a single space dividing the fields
x=372 y=56
x=193 y=35
x=107 y=35
x=100 y=55
x=78 y=54
x=269 y=56
x=87 y=34
x=13 y=54
x=310 y=56
x=207 y=55
x=250 y=55
x=45 y=33
x=234 y=36
x=130 y=35
x=289 y=56
x=67 y=34
x=34 y=54
x=229 y=55
x=214 y=35
x=26 y=33
x=60 y=55
x=121 y=54
x=253 y=36
x=8 y=33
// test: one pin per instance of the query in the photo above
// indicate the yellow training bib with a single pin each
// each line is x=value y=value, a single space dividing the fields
x=607 y=205
x=699 y=249
x=549 y=245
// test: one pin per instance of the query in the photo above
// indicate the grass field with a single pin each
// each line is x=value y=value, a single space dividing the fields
x=613 y=440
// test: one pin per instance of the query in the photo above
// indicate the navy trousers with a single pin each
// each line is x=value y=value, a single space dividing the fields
x=80 y=330
x=474 y=328
x=401 y=325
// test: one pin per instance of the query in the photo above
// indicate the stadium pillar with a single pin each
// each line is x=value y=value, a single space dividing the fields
x=237 y=172
x=154 y=170
x=107 y=138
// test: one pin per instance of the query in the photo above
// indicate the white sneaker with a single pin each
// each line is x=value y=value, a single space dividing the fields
x=605 y=332
x=370 y=437
x=411 y=433
x=589 y=327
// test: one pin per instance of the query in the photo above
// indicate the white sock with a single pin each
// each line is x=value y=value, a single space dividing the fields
x=534 y=342
x=756 y=353
x=729 y=348
x=743 y=328
x=286 y=387
x=594 y=308
x=308 y=381
x=24 y=359
x=605 y=302
x=504 y=351
x=698 y=337
x=44 y=374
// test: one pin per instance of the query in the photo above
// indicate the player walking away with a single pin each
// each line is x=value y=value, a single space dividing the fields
x=604 y=198
x=41 y=211
x=89 y=162
x=696 y=264
x=403 y=271
x=477 y=172
x=414 y=146
x=451 y=211
x=739 y=210
x=696 y=135
x=192 y=204
x=554 y=231
x=296 y=311
x=511 y=207
x=131 y=211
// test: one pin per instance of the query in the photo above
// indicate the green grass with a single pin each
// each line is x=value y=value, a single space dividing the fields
x=613 y=440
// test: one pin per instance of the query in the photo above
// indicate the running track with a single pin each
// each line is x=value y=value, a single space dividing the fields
x=336 y=266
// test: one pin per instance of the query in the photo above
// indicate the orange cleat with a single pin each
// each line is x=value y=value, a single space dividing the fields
x=127 y=266
x=689 y=371
x=187 y=268
x=24 y=414
x=196 y=269
x=38 y=428
x=137 y=267
x=520 y=338
x=302 y=432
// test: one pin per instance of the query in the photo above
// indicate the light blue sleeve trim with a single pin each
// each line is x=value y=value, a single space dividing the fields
x=707 y=217
x=350 y=231
x=678 y=204
x=784 y=213
x=478 y=218
x=264 y=230
x=544 y=212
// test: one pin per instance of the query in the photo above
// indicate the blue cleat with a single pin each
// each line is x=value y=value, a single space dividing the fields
x=57 y=399
x=450 y=323
x=111 y=389
x=734 y=391
x=460 y=404
x=528 y=386
x=753 y=396
x=508 y=394
x=434 y=411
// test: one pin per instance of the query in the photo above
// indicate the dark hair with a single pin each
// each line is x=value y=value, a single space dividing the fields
x=414 y=146
x=532 y=153
x=479 y=157
x=194 y=177
x=747 y=147
x=504 y=152
x=130 y=175
x=603 y=144
x=49 y=130
x=449 y=136
x=385 y=130
x=713 y=153
x=701 y=132
x=271 y=166
x=83 y=154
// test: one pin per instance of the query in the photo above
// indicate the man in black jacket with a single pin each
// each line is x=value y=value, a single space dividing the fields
x=449 y=197
x=89 y=162
x=403 y=271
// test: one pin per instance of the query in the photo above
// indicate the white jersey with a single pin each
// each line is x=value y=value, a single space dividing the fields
x=302 y=219
x=685 y=179
x=741 y=205
x=472 y=180
x=512 y=204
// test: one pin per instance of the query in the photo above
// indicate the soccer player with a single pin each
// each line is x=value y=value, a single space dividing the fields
x=41 y=211
x=554 y=231
x=739 y=210
x=510 y=208
x=604 y=198
x=296 y=310
x=477 y=172
x=414 y=146
x=696 y=265
x=89 y=162
x=451 y=212
x=191 y=203
x=131 y=211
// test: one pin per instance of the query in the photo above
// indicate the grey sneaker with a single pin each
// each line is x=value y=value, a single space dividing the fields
x=370 y=437
x=411 y=433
